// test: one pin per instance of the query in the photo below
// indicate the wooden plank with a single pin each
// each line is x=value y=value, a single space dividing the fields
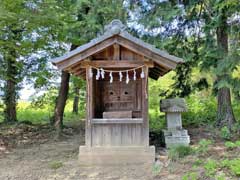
x=161 y=68
x=117 y=114
x=126 y=135
x=147 y=53
x=97 y=135
x=115 y=135
x=88 y=131
x=117 y=121
x=145 y=125
x=116 y=52
x=109 y=135
x=116 y=64
x=137 y=135
x=77 y=70
x=80 y=73
x=85 y=54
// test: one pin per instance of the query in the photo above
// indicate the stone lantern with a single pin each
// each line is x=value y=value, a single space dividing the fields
x=174 y=134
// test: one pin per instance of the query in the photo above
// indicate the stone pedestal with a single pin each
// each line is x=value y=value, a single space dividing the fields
x=116 y=155
x=174 y=134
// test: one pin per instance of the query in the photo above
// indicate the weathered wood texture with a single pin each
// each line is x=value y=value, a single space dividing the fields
x=106 y=98
x=116 y=56
x=117 y=121
x=118 y=96
x=112 y=64
x=117 y=114
x=145 y=126
x=89 y=112
x=117 y=134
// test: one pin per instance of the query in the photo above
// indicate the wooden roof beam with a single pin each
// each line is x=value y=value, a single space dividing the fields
x=142 y=51
x=87 y=53
x=114 y=64
x=79 y=73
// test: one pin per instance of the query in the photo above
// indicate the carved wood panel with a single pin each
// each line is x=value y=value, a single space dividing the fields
x=119 y=96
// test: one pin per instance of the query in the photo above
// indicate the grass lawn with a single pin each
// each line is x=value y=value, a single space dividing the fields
x=26 y=112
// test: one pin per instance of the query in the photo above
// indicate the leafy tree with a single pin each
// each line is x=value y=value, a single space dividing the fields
x=26 y=28
x=198 y=31
x=78 y=85
x=88 y=19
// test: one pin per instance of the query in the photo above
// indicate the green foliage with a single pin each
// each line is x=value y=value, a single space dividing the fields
x=232 y=145
x=28 y=32
x=42 y=115
x=225 y=133
x=210 y=167
x=177 y=152
x=55 y=165
x=157 y=167
x=201 y=110
x=233 y=165
x=237 y=143
x=198 y=162
x=203 y=146
x=221 y=176
x=156 y=118
x=191 y=33
x=47 y=99
x=190 y=176
x=34 y=32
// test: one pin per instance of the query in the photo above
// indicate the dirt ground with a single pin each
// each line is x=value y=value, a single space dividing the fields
x=32 y=155
x=40 y=162
x=27 y=153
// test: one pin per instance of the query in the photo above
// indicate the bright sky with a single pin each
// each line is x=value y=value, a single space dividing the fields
x=26 y=92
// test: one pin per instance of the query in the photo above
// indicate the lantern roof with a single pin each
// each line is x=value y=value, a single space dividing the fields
x=173 y=105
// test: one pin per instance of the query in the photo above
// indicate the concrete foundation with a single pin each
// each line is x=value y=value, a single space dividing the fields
x=115 y=155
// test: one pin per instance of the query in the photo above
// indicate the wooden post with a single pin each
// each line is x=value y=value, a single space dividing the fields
x=116 y=52
x=145 y=126
x=89 y=113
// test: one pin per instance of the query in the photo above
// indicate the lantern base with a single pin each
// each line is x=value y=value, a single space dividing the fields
x=176 y=138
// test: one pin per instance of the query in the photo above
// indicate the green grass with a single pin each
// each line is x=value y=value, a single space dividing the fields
x=25 y=112
x=178 y=152
x=55 y=165
x=202 y=107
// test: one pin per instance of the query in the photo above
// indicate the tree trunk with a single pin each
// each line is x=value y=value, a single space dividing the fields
x=225 y=115
x=76 y=100
x=57 y=119
x=61 y=102
x=10 y=95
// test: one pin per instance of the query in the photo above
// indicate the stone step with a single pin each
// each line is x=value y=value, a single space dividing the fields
x=116 y=155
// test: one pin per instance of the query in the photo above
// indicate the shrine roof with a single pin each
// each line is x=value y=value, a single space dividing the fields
x=115 y=33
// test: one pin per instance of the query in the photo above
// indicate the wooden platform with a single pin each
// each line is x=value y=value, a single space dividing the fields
x=116 y=155
x=117 y=114
x=118 y=121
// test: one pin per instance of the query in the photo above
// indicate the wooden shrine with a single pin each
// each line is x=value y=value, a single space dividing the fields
x=116 y=67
